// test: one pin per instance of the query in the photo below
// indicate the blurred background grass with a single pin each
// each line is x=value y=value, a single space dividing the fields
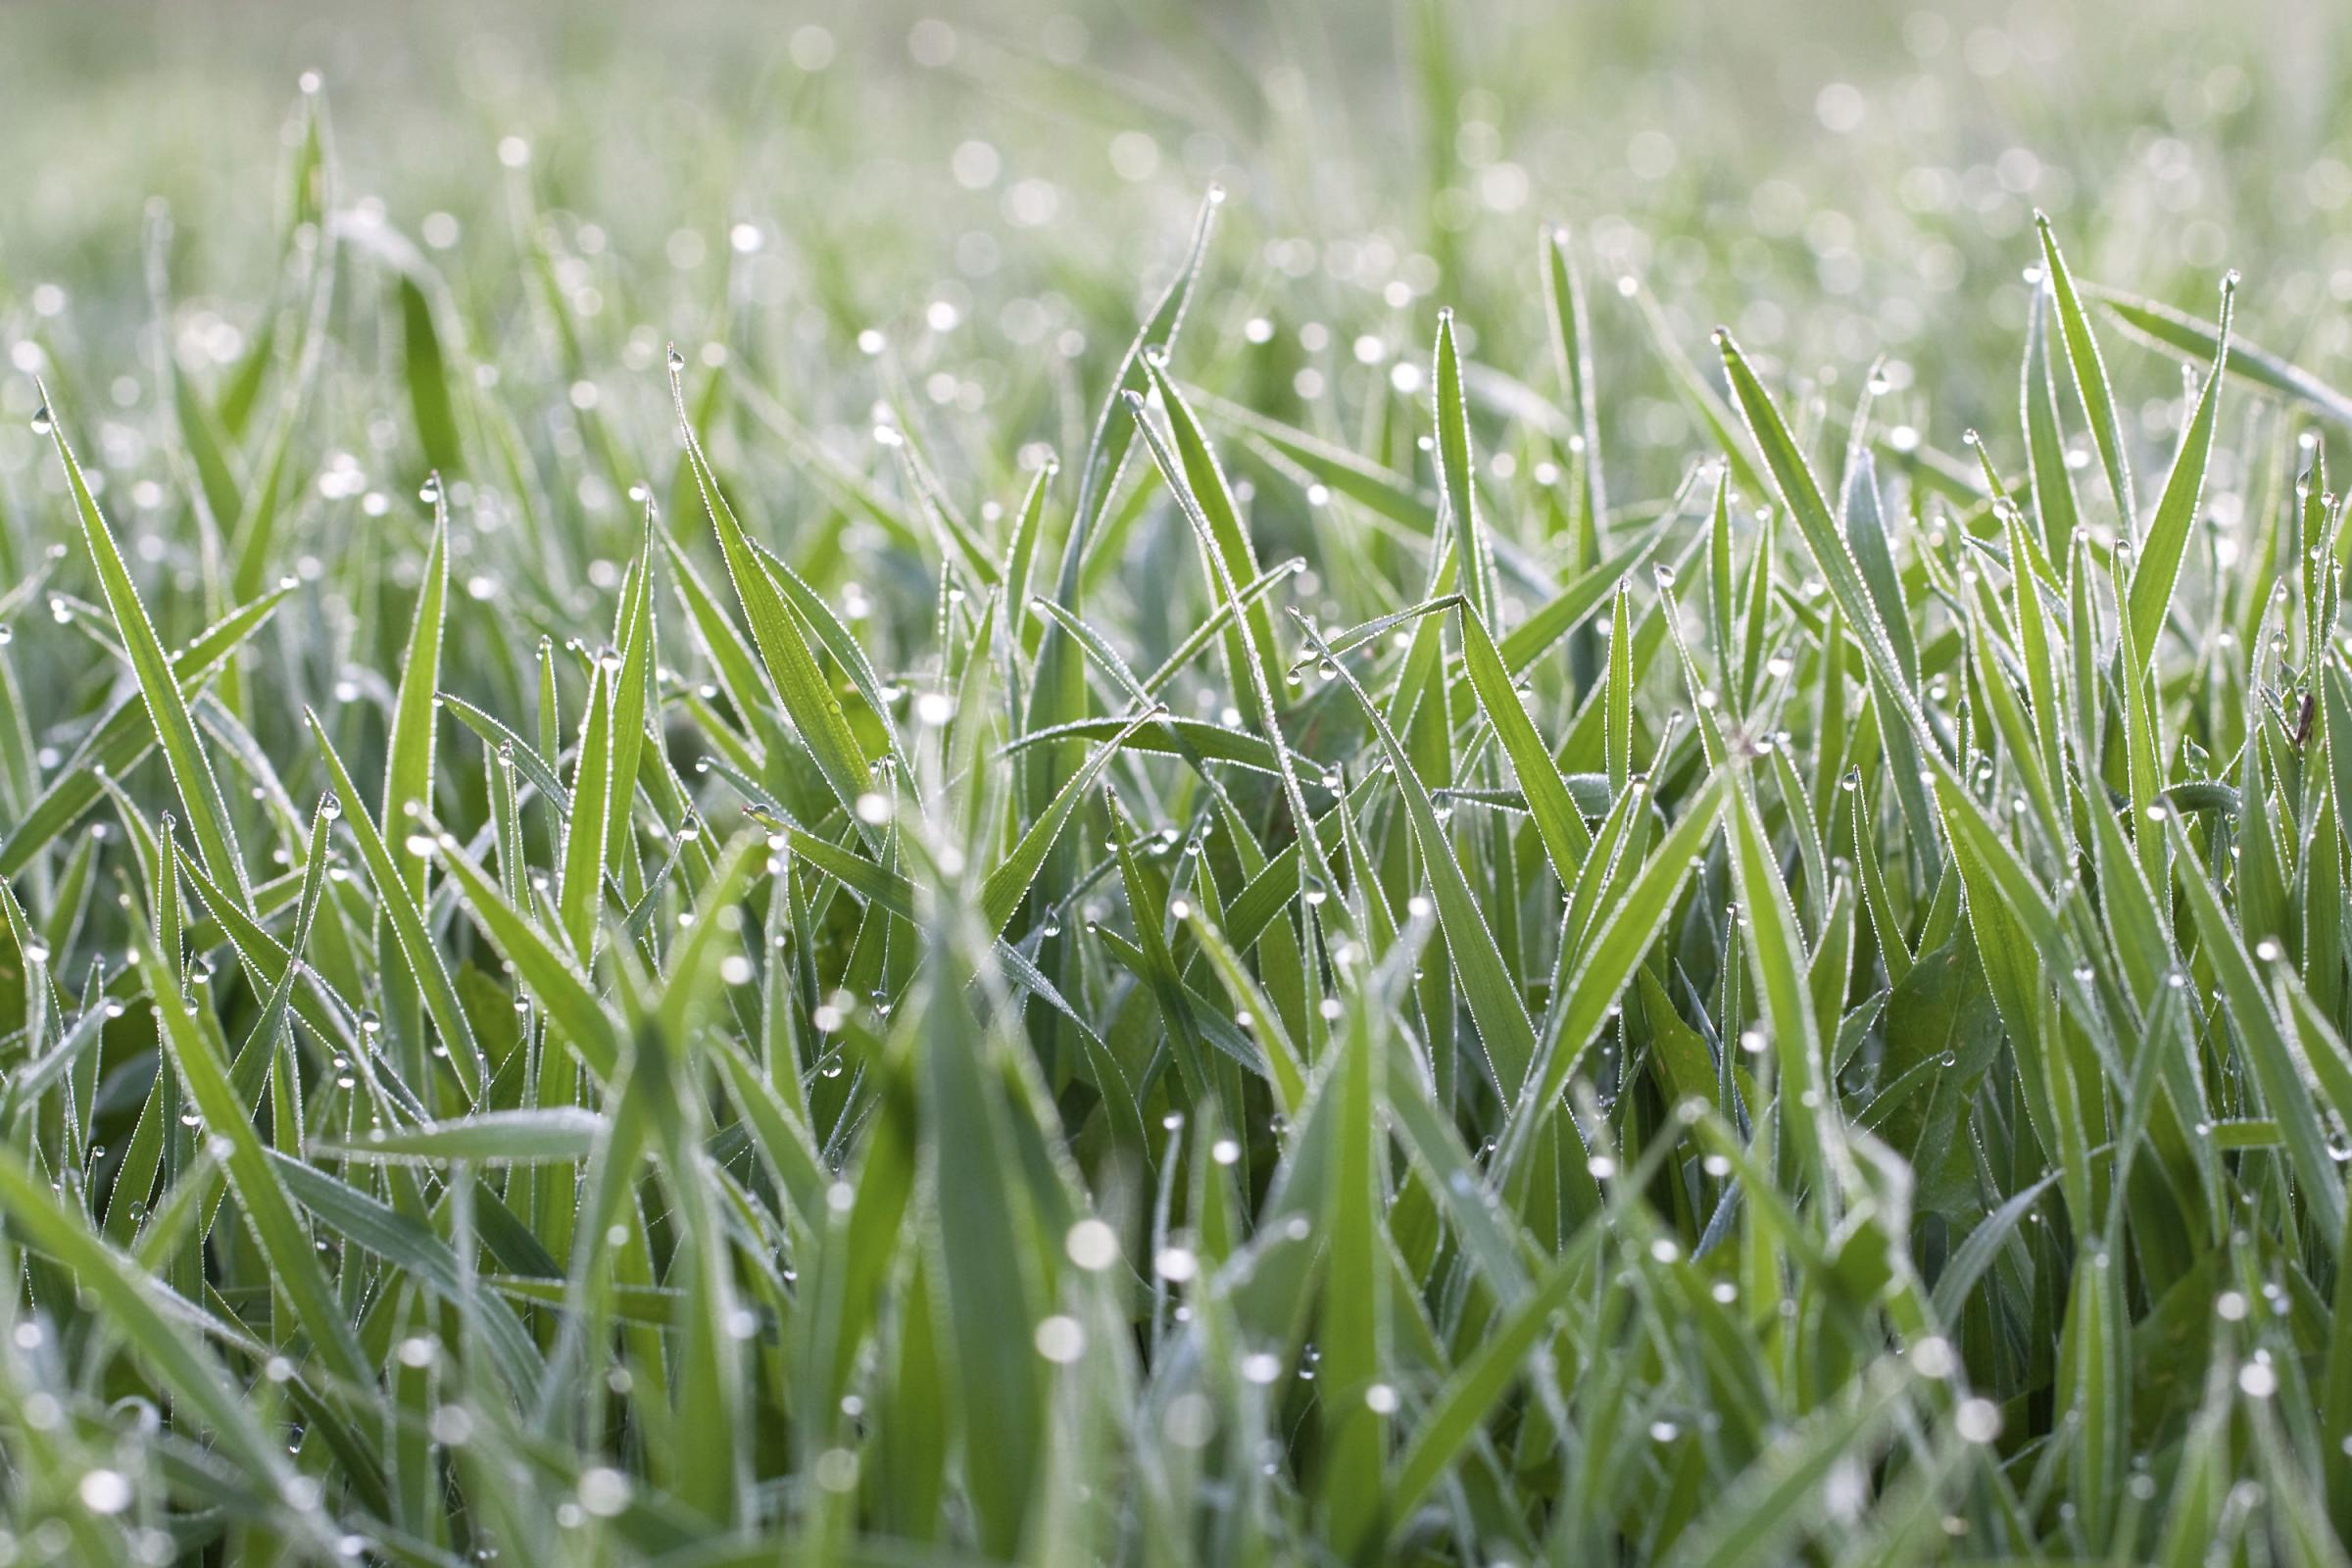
x=1834 y=181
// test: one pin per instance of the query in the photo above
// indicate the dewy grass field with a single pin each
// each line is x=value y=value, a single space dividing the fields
x=1138 y=870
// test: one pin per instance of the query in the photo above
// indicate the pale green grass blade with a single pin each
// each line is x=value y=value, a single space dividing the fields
x=1792 y=479
x=2275 y=1061
x=1350 y=1323
x=408 y=760
x=156 y=1328
x=2166 y=327
x=1604 y=963
x=580 y=890
x=158 y=686
x=559 y=1133
x=416 y=944
x=1007 y=882
x=1455 y=474
x=1235 y=559
x=266 y=1209
x=1755 y=1520
x=1775 y=953
x=1505 y=1032
x=1562 y=826
x=2053 y=489
x=2090 y=374
x=2166 y=542
x=784 y=649
x=550 y=973
x=1572 y=353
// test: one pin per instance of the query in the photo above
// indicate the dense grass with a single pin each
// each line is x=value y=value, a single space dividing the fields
x=1407 y=954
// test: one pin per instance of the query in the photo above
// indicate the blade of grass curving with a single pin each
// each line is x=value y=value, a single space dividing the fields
x=269 y=1212
x=784 y=649
x=1558 y=822
x=1602 y=967
x=1226 y=537
x=1801 y=494
x=1753 y=1521
x=159 y=687
x=1383 y=491
x=2277 y=1065
x=145 y=1318
x=2166 y=327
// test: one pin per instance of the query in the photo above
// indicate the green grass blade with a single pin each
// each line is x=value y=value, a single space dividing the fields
x=159 y=687
x=2166 y=542
x=2090 y=374
x=416 y=944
